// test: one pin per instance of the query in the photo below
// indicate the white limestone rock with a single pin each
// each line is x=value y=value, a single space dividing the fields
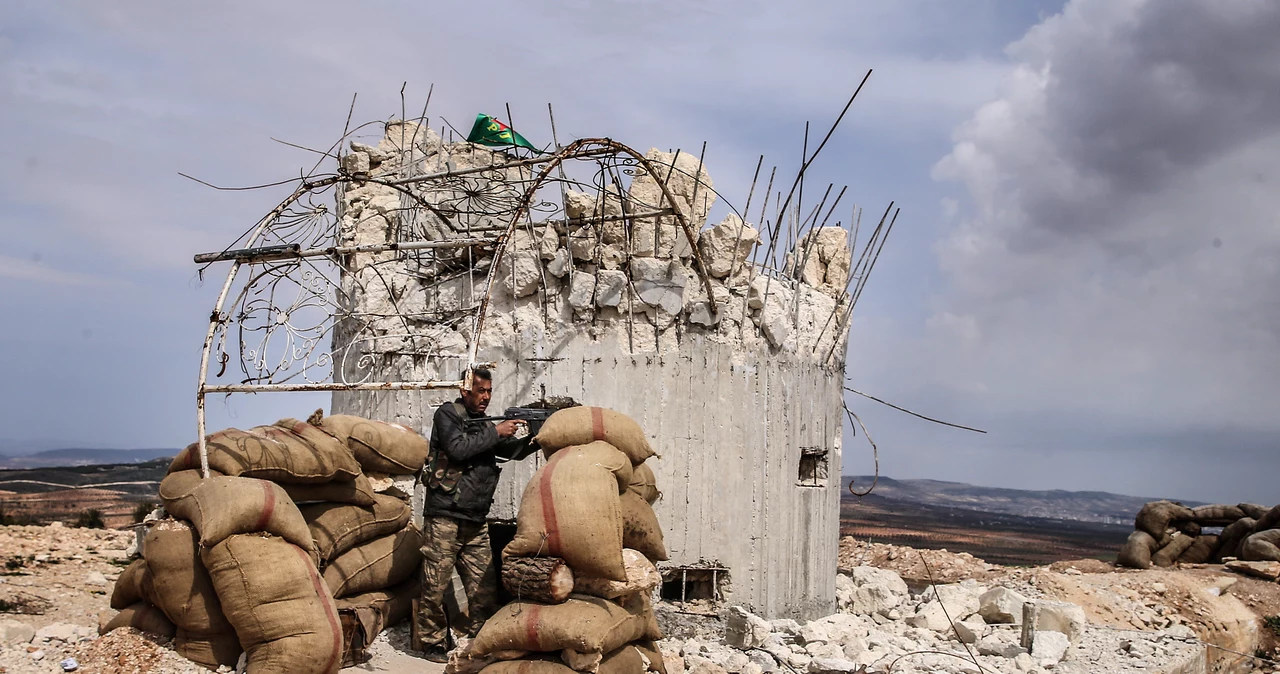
x=15 y=633
x=727 y=245
x=548 y=243
x=775 y=321
x=969 y=631
x=814 y=632
x=1049 y=647
x=578 y=205
x=705 y=314
x=559 y=264
x=662 y=236
x=961 y=599
x=59 y=632
x=1060 y=616
x=376 y=156
x=521 y=271
x=821 y=649
x=744 y=629
x=610 y=286
x=1001 y=644
x=825 y=256
x=833 y=666
x=931 y=616
x=871 y=590
x=581 y=288
x=355 y=163
x=1000 y=605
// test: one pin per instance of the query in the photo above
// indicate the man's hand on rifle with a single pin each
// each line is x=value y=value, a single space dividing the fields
x=509 y=427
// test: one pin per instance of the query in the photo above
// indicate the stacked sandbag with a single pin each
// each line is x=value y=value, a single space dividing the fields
x=585 y=524
x=1168 y=533
x=287 y=552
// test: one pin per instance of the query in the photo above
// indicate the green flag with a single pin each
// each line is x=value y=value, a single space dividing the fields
x=489 y=131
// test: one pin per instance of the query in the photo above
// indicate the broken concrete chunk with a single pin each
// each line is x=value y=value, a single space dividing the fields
x=559 y=264
x=1000 y=605
x=705 y=314
x=15 y=633
x=581 y=289
x=662 y=236
x=650 y=269
x=1049 y=647
x=610 y=286
x=1002 y=644
x=521 y=271
x=578 y=205
x=870 y=590
x=355 y=163
x=1060 y=616
x=744 y=629
x=727 y=245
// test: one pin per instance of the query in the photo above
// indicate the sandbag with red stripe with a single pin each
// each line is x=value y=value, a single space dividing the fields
x=280 y=607
x=582 y=623
x=582 y=425
x=338 y=527
x=570 y=509
x=224 y=506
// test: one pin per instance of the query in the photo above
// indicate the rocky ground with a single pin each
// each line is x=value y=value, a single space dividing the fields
x=901 y=610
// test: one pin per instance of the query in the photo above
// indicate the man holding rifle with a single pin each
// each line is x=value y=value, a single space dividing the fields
x=461 y=476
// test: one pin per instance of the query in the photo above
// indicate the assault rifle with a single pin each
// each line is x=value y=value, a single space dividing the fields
x=533 y=417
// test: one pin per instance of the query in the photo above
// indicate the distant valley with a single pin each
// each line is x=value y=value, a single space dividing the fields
x=51 y=458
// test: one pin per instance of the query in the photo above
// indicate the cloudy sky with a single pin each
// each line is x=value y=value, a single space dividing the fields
x=1086 y=263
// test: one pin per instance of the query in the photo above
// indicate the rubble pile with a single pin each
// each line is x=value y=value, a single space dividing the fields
x=598 y=268
x=293 y=554
x=1167 y=532
x=957 y=628
x=581 y=565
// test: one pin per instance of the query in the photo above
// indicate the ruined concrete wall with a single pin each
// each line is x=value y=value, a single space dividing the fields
x=743 y=403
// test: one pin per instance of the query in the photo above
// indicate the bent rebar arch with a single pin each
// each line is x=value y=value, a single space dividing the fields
x=287 y=272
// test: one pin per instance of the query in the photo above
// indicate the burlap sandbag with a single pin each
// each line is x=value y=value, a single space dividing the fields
x=642 y=576
x=180 y=585
x=1170 y=553
x=583 y=425
x=1136 y=553
x=224 y=506
x=1252 y=510
x=357 y=492
x=289 y=451
x=338 y=527
x=605 y=456
x=640 y=528
x=378 y=446
x=1155 y=516
x=570 y=509
x=141 y=616
x=624 y=660
x=1231 y=538
x=210 y=650
x=1263 y=546
x=377 y=564
x=644 y=484
x=1269 y=520
x=376 y=611
x=1188 y=527
x=128 y=589
x=1201 y=551
x=281 y=609
x=1216 y=515
x=641 y=605
x=582 y=623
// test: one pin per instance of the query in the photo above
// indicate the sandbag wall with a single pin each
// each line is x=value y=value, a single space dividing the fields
x=582 y=564
x=296 y=551
x=1167 y=532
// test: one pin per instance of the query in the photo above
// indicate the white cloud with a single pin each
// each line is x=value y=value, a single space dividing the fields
x=1118 y=249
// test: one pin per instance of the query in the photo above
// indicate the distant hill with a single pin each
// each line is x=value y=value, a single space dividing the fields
x=1081 y=506
x=82 y=457
x=135 y=478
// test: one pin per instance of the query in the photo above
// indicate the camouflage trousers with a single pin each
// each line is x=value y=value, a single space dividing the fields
x=450 y=544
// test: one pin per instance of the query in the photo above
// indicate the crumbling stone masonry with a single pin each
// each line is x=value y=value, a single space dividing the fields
x=740 y=388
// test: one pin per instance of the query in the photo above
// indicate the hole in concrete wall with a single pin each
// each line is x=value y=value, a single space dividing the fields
x=694 y=583
x=813 y=467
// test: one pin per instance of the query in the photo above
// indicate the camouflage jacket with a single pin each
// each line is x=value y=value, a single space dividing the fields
x=462 y=471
